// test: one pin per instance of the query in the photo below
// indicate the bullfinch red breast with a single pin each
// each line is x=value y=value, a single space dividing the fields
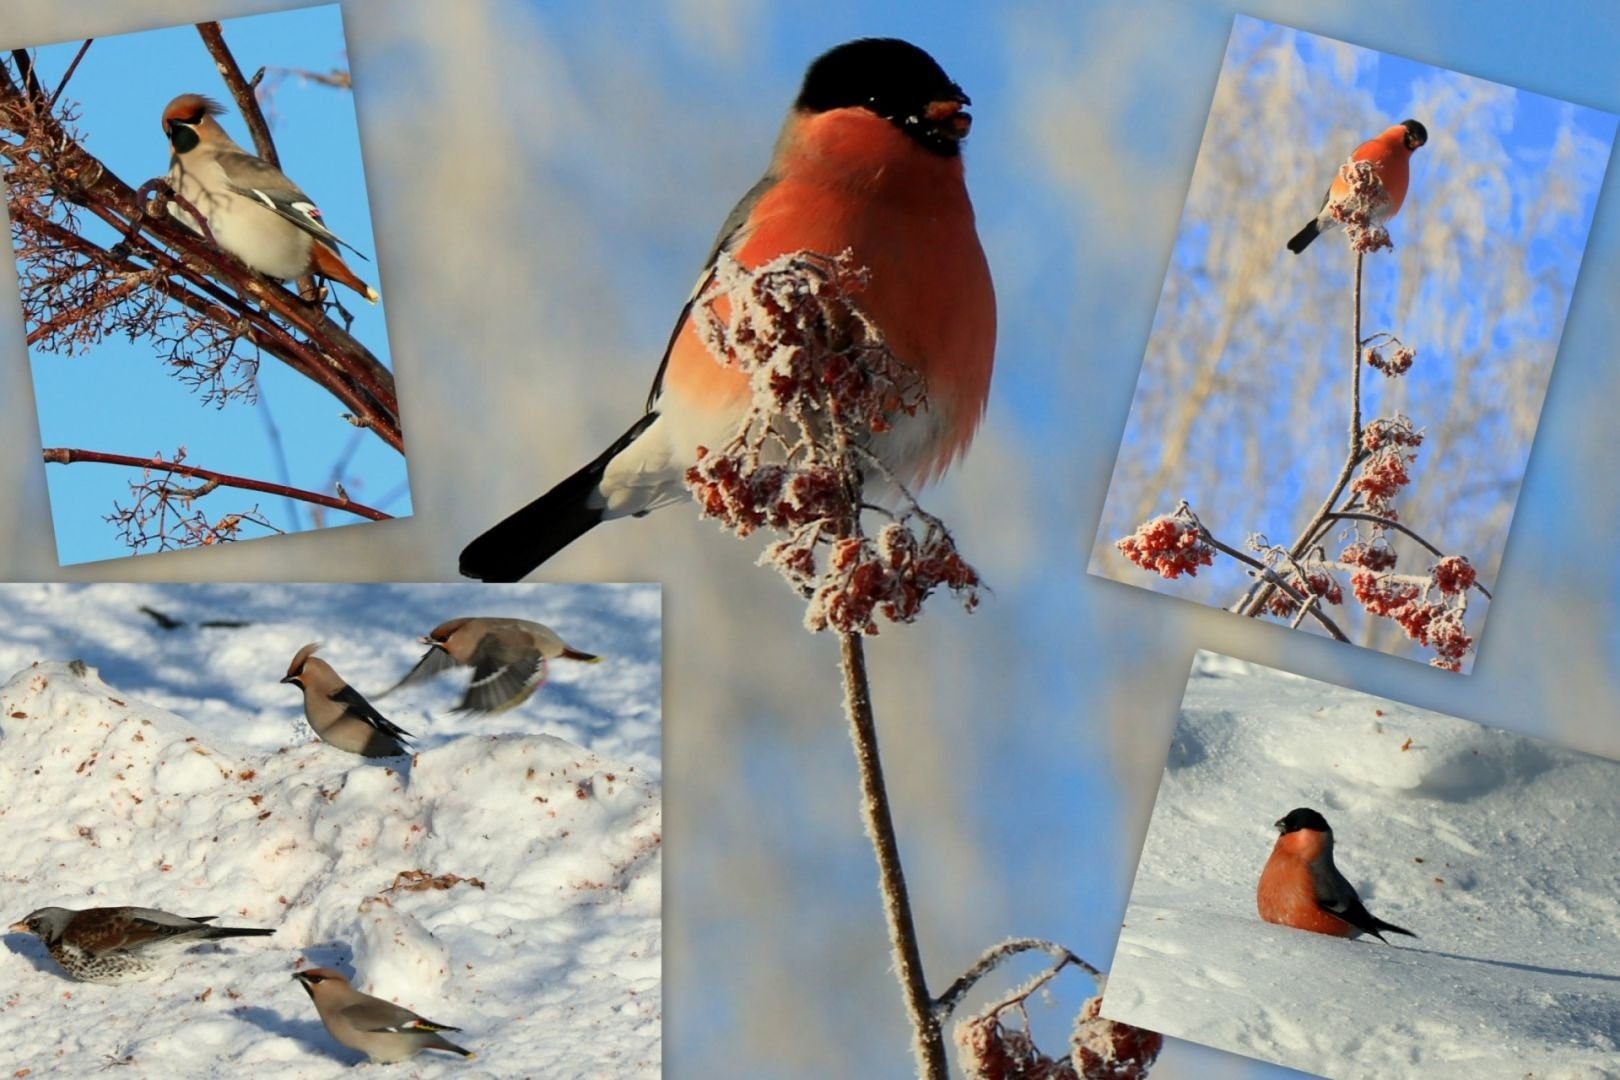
x=868 y=160
x=1300 y=886
x=1391 y=154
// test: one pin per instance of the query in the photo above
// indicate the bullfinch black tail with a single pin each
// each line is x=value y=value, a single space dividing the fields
x=1303 y=238
x=517 y=546
x=1379 y=924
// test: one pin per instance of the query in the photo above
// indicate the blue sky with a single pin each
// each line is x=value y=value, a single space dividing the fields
x=118 y=398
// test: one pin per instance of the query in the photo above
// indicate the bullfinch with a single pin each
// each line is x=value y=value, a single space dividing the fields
x=869 y=160
x=1300 y=886
x=253 y=211
x=1391 y=154
x=508 y=658
x=339 y=713
x=121 y=944
x=381 y=1030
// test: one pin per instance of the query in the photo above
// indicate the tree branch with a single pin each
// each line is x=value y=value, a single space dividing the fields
x=67 y=456
x=247 y=103
x=993 y=957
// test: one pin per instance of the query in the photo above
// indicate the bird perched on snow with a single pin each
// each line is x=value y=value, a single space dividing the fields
x=337 y=711
x=1390 y=154
x=1300 y=886
x=381 y=1030
x=508 y=658
x=120 y=944
x=868 y=160
x=253 y=211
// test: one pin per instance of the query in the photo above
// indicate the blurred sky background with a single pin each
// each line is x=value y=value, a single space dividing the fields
x=1243 y=400
x=117 y=397
x=547 y=179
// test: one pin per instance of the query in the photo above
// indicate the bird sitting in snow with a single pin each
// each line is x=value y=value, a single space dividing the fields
x=338 y=712
x=381 y=1030
x=120 y=944
x=1300 y=886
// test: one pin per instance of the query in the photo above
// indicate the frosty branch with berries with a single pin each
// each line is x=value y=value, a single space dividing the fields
x=825 y=391
x=1298 y=581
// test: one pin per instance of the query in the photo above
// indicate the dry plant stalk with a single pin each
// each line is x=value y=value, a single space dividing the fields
x=1294 y=582
x=209 y=319
x=825 y=392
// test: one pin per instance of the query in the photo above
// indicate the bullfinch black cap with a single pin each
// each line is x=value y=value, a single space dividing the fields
x=1303 y=818
x=1416 y=133
x=894 y=79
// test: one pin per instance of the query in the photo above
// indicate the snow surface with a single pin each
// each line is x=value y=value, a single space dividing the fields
x=172 y=770
x=1502 y=853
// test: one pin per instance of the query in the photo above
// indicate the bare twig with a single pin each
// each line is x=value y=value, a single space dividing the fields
x=1273 y=581
x=67 y=456
x=1388 y=523
x=68 y=74
x=929 y=1041
x=994 y=956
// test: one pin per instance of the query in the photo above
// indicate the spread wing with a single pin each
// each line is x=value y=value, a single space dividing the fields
x=433 y=663
x=504 y=666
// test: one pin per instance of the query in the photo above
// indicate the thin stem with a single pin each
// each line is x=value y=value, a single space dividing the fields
x=929 y=1041
x=1274 y=581
x=62 y=455
x=1386 y=523
x=993 y=957
x=68 y=74
x=1256 y=602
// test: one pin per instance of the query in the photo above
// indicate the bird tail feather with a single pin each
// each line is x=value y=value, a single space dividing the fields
x=1303 y=238
x=515 y=547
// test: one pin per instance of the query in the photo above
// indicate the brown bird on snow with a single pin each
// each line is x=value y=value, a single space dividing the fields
x=381 y=1030
x=508 y=658
x=339 y=714
x=120 y=944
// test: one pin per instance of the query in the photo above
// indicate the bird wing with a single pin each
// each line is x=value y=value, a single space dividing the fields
x=358 y=707
x=379 y=1015
x=261 y=181
x=132 y=928
x=1338 y=897
x=504 y=665
x=434 y=662
x=729 y=237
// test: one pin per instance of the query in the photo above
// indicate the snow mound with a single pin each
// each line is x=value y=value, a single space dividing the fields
x=1499 y=851
x=506 y=884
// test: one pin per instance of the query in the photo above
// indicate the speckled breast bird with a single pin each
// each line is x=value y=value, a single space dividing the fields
x=1391 y=154
x=121 y=944
x=381 y=1030
x=339 y=713
x=253 y=211
x=1300 y=886
x=508 y=658
x=869 y=160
